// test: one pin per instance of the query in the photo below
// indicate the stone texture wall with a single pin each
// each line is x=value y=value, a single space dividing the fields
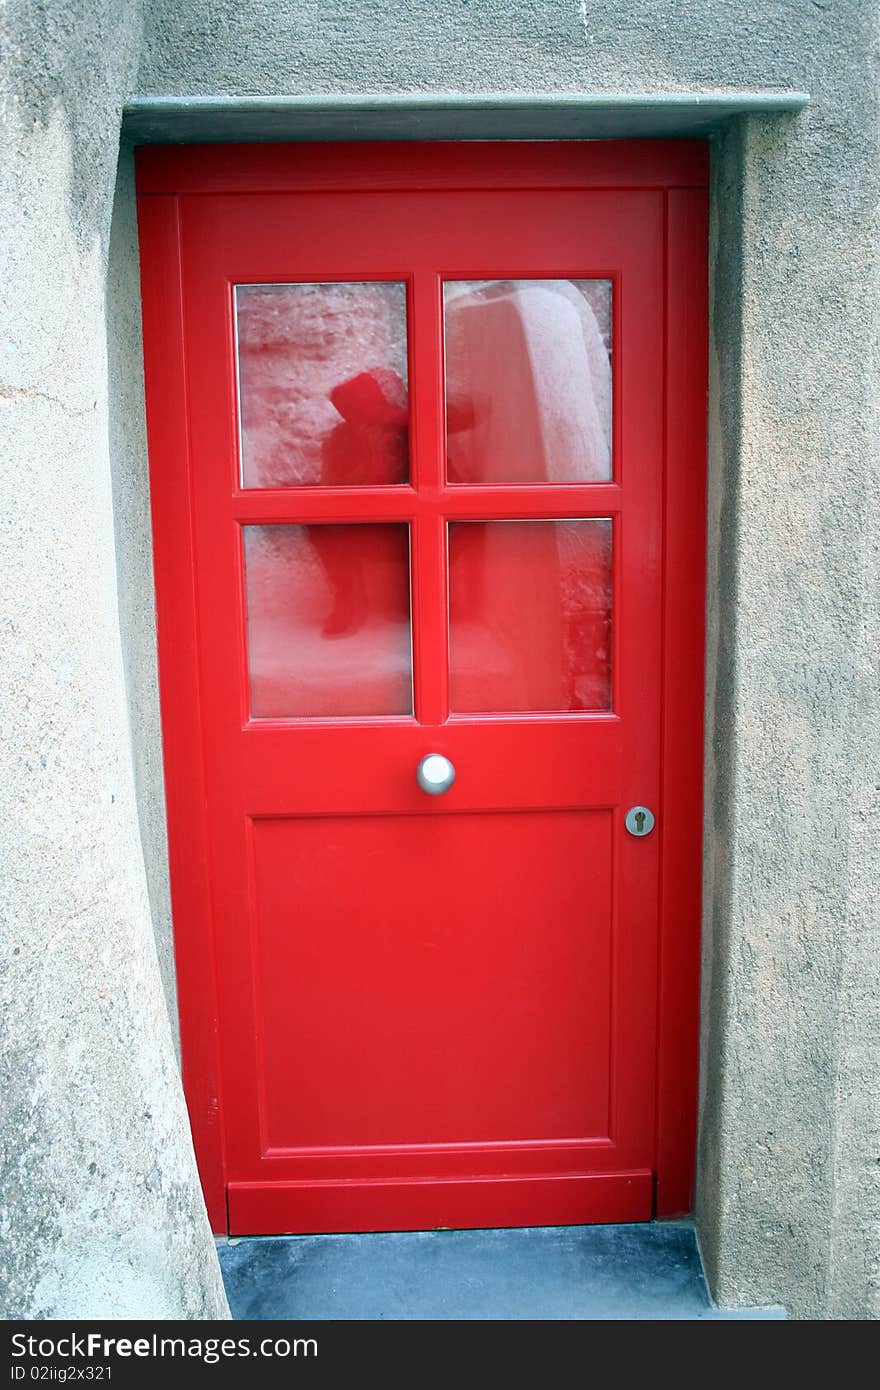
x=789 y=1199
x=102 y=1212
x=788 y=1194
x=134 y=559
x=272 y=47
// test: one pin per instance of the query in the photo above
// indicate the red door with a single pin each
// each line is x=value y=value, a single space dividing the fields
x=417 y=415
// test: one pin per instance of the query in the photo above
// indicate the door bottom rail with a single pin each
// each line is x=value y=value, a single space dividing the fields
x=423 y=1204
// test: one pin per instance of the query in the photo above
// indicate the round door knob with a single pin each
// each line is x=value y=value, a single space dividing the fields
x=435 y=774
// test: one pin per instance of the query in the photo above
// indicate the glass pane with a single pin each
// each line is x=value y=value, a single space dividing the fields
x=328 y=620
x=530 y=615
x=528 y=381
x=322 y=384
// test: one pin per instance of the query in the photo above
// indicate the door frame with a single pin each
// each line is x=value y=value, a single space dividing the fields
x=679 y=169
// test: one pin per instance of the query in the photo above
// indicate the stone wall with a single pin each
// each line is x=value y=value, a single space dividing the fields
x=102 y=1211
x=788 y=1196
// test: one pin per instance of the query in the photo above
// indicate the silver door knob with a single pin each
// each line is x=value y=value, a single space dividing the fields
x=435 y=774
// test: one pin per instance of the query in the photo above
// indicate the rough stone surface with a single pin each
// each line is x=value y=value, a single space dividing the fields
x=212 y=47
x=789 y=1200
x=134 y=560
x=788 y=1177
x=102 y=1213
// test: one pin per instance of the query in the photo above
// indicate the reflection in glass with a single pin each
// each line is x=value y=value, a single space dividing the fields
x=530 y=615
x=322 y=384
x=528 y=381
x=328 y=620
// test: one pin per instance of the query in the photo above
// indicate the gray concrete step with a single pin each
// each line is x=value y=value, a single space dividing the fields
x=640 y=1272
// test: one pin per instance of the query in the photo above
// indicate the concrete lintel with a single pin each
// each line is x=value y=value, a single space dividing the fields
x=448 y=115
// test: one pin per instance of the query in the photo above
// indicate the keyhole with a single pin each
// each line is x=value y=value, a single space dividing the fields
x=640 y=822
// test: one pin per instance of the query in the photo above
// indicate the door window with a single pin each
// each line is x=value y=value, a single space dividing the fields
x=322 y=384
x=530 y=615
x=328 y=620
x=528 y=381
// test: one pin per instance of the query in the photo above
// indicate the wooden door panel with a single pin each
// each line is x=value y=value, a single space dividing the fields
x=441 y=1203
x=375 y=929
x=519 y=765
